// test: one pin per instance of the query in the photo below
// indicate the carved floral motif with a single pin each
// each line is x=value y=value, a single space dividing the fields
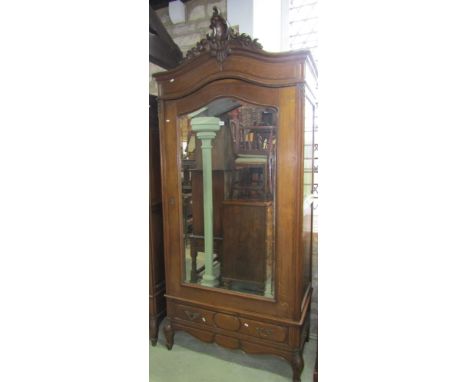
x=221 y=39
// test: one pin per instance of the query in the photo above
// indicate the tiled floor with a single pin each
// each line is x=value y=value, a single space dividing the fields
x=191 y=360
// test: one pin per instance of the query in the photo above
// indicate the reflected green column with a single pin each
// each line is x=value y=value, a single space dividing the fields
x=206 y=129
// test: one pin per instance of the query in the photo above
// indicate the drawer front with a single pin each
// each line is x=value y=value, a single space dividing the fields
x=262 y=330
x=229 y=322
x=192 y=314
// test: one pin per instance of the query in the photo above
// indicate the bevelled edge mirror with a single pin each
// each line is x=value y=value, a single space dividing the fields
x=228 y=173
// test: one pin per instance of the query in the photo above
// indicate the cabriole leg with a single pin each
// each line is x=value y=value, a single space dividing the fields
x=297 y=364
x=169 y=333
x=153 y=331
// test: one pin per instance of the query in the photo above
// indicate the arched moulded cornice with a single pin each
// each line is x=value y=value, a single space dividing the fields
x=260 y=68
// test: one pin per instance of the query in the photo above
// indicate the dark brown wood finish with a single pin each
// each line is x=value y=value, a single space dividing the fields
x=157 y=288
x=250 y=322
x=316 y=368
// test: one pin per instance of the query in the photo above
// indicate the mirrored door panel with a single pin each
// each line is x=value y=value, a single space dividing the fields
x=228 y=152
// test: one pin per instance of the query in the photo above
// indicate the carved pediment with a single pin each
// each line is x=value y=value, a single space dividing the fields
x=221 y=39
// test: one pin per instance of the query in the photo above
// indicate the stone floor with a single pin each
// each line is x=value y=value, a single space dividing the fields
x=191 y=360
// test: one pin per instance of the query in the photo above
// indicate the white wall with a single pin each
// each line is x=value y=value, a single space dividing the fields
x=240 y=12
x=267 y=24
x=266 y=20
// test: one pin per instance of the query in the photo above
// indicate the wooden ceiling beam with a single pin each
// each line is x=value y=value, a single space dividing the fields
x=163 y=51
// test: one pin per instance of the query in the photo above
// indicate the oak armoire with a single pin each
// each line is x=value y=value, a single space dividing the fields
x=236 y=125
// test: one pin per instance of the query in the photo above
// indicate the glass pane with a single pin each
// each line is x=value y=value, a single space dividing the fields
x=237 y=155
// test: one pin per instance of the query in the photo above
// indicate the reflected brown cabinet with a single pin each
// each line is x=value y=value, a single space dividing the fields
x=239 y=276
x=247 y=249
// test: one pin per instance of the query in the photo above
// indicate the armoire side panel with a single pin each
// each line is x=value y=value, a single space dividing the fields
x=157 y=287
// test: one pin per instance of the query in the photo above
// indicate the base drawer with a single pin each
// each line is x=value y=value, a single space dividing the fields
x=230 y=323
x=192 y=314
x=263 y=330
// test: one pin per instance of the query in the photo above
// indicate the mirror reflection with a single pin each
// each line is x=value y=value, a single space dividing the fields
x=228 y=151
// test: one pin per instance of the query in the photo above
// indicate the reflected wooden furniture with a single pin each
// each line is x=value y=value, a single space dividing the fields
x=197 y=244
x=254 y=148
x=237 y=68
x=248 y=245
x=157 y=287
